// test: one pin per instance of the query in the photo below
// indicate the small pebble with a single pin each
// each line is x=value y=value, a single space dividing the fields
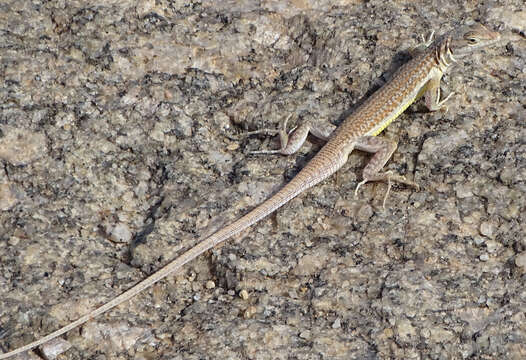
x=487 y=229
x=479 y=240
x=243 y=294
x=54 y=348
x=249 y=312
x=336 y=324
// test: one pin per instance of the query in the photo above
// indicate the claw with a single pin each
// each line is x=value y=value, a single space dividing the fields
x=264 y=152
x=429 y=40
x=358 y=186
x=389 y=174
x=443 y=101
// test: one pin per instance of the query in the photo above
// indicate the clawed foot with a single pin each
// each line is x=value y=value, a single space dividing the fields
x=426 y=41
x=283 y=137
x=442 y=103
x=390 y=178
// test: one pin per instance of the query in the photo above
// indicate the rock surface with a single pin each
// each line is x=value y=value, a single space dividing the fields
x=118 y=124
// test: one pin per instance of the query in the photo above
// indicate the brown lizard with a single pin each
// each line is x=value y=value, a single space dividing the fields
x=419 y=77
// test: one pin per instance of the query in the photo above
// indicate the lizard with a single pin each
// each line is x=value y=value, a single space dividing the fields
x=419 y=77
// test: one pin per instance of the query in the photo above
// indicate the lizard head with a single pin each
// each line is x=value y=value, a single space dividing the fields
x=464 y=40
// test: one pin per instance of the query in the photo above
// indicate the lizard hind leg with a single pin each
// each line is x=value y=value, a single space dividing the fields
x=292 y=140
x=383 y=149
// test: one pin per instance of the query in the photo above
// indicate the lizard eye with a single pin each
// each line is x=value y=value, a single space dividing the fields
x=472 y=41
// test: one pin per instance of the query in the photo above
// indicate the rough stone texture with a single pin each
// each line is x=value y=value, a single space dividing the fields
x=54 y=348
x=119 y=122
x=20 y=147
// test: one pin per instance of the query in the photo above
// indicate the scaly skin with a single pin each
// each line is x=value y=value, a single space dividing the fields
x=420 y=76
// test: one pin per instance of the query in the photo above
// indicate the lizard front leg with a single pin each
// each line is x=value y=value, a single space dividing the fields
x=425 y=42
x=432 y=95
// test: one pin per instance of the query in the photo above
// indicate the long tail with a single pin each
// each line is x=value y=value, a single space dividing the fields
x=319 y=168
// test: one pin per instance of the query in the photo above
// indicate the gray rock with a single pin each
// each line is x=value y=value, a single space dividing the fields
x=129 y=116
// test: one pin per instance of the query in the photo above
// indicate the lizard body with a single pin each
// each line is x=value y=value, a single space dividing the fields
x=419 y=77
